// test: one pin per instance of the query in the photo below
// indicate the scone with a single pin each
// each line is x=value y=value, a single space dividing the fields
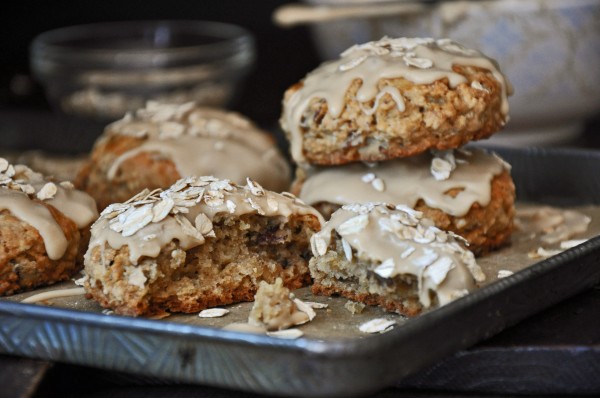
x=202 y=242
x=276 y=308
x=161 y=143
x=44 y=229
x=394 y=98
x=391 y=257
x=467 y=191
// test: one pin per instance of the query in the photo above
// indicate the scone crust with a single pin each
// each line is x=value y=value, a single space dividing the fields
x=144 y=170
x=436 y=116
x=24 y=262
x=486 y=228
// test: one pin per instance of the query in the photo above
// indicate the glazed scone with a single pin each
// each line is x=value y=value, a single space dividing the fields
x=161 y=143
x=394 y=98
x=202 y=242
x=467 y=191
x=391 y=257
x=44 y=229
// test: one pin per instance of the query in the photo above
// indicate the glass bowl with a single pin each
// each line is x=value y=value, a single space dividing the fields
x=100 y=71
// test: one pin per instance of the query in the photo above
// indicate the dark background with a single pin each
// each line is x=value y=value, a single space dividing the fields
x=283 y=55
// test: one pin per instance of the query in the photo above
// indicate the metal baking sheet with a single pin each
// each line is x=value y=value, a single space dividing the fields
x=332 y=358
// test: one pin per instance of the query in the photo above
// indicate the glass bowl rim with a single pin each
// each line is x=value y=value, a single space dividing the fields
x=52 y=46
x=53 y=40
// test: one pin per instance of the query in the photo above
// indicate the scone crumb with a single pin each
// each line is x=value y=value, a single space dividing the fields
x=354 y=307
x=275 y=308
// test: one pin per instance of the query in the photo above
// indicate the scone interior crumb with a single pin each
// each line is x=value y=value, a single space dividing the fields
x=334 y=274
x=226 y=269
x=391 y=256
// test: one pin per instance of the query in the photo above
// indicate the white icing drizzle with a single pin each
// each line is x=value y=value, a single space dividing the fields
x=203 y=141
x=76 y=205
x=406 y=181
x=419 y=60
x=39 y=217
x=21 y=189
x=403 y=242
x=184 y=212
x=394 y=92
